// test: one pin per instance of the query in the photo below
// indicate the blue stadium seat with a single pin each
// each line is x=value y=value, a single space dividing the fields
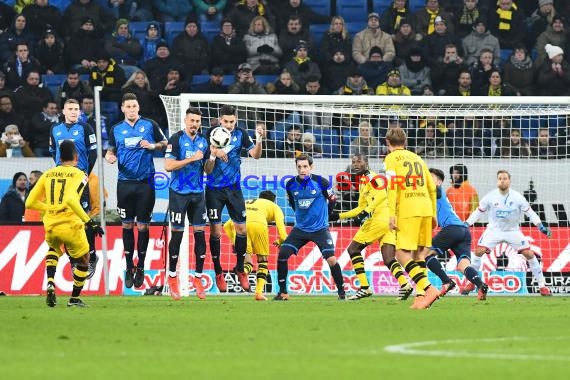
x=264 y=79
x=318 y=31
x=506 y=54
x=111 y=111
x=53 y=82
x=380 y=6
x=322 y=7
x=347 y=136
x=59 y=4
x=328 y=140
x=210 y=30
x=172 y=29
x=355 y=27
x=352 y=10
x=138 y=29
x=527 y=125
x=196 y=79
x=416 y=5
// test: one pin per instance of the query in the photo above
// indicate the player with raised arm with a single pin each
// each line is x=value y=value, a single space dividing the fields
x=223 y=190
x=453 y=235
x=184 y=158
x=83 y=136
x=504 y=207
x=132 y=143
x=372 y=216
x=57 y=195
x=259 y=213
x=412 y=205
x=312 y=198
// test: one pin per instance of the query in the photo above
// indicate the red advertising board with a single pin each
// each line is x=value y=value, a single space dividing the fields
x=22 y=252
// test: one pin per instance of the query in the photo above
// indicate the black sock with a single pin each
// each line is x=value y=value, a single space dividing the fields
x=215 y=252
x=91 y=240
x=434 y=265
x=241 y=246
x=473 y=276
x=142 y=246
x=199 y=250
x=282 y=270
x=337 y=276
x=129 y=246
x=174 y=249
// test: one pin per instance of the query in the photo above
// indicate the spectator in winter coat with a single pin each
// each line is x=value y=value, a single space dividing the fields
x=191 y=48
x=479 y=39
x=302 y=66
x=553 y=75
x=555 y=34
x=424 y=19
x=375 y=70
x=335 y=72
x=371 y=36
x=262 y=47
x=335 y=39
x=172 y=10
x=518 y=71
x=17 y=34
x=49 y=53
x=507 y=23
x=123 y=47
x=415 y=72
x=393 y=16
x=75 y=14
x=150 y=41
x=41 y=16
x=13 y=204
x=228 y=50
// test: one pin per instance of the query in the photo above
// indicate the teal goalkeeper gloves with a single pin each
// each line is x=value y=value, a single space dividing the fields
x=544 y=229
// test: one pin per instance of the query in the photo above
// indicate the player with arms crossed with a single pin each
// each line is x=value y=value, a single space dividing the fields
x=453 y=235
x=259 y=212
x=372 y=215
x=223 y=190
x=412 y=205
x=312 y=198
x=132 y=143
x=184 y=158
x=64 y=220
x=86 y=146
x=504 y=206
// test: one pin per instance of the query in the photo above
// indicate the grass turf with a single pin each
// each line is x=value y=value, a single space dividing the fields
x=306 y=337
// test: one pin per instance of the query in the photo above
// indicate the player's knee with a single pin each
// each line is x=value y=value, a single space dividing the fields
x=142 y=227
x=284 y=254
x=480 y=251
x=331 y=261
x=128 y=226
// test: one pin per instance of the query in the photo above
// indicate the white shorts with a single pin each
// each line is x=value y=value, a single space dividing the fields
x=515 y=239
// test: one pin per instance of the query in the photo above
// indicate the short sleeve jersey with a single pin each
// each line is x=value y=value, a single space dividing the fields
x=227 y=174
x=81 y=134
x=188 y=179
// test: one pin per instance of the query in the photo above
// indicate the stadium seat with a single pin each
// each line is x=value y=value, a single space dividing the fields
x=53 y=81
x=111 y=111
x=264 y=79
x=328 y=140
x=505 y=55
x=196 y=79
x=59 y=4
x=322 y=7
x=416 y=5
x=172 y=29
x=355 y=27
x=318 y=31
x=352 y=10
x=527 y=125
x=138 y=29
x=347 y=136
x=380 y=6
x=210 y=30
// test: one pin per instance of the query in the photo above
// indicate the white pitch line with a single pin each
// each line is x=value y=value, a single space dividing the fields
x=415 y=349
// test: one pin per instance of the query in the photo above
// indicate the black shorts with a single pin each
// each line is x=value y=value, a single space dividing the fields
x=298 y=238
x=192 y=205
x=231 y=198
x=135 y=200
x=456 y=238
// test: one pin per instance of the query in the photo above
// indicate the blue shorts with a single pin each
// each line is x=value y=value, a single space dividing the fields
x=454 y=237
x=298 y=238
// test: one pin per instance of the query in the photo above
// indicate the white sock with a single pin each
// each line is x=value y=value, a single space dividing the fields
x=536 y=270
x=172 y=274
x=476 y=262
x=198 y=275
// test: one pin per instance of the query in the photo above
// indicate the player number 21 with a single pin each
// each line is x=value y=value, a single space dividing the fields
x=415 y=172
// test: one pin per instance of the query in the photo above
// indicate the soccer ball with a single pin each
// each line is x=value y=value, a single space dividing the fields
x=220 y=137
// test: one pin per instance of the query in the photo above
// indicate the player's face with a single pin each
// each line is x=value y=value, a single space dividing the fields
x=303 y=168
x=228 y=122
x=359 y=165
x=503 y=181
x=131 y=110
x=436 y=179
x=71 y=112
x=193 y=123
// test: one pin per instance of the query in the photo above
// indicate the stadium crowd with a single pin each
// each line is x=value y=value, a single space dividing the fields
x=54 y=50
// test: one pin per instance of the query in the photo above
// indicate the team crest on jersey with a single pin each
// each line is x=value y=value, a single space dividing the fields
x=58 y=133
x=234 y=139
x=329 y=241
x=125 y=132
x=201 y=145
x=75 y=133
x=141 y=129
x=186 y=144
x=313 y=191
x=296 y=193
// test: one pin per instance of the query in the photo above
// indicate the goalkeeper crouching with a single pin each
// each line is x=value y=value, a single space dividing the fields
x=373 y=216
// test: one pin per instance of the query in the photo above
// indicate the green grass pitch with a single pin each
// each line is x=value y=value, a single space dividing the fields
x=305 y=338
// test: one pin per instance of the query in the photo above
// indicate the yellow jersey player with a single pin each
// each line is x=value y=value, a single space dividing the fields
x=412 y=205
x=259 y=212
x=57 y=194
x=372 y=216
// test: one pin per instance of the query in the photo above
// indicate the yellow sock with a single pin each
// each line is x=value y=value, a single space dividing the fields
x=422 y=264
x=358 y=265
x=247 y=268
x=262 y=272
x=417 y=275
x=398 y=272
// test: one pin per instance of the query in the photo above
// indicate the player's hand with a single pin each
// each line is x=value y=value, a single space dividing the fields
x=363 y=217
x=147 y=145
x=544 y=229
x=219 y=153
x=393 y=226
x=110 y=157
x=198 y=155
x=95 y=227
x=334 y=216
x=277 y=243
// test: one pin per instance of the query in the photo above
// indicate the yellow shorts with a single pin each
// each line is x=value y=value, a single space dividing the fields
x=414 y=232
x=73 y=237
x=373 y=229
x=389 y=238
x=257 y=239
